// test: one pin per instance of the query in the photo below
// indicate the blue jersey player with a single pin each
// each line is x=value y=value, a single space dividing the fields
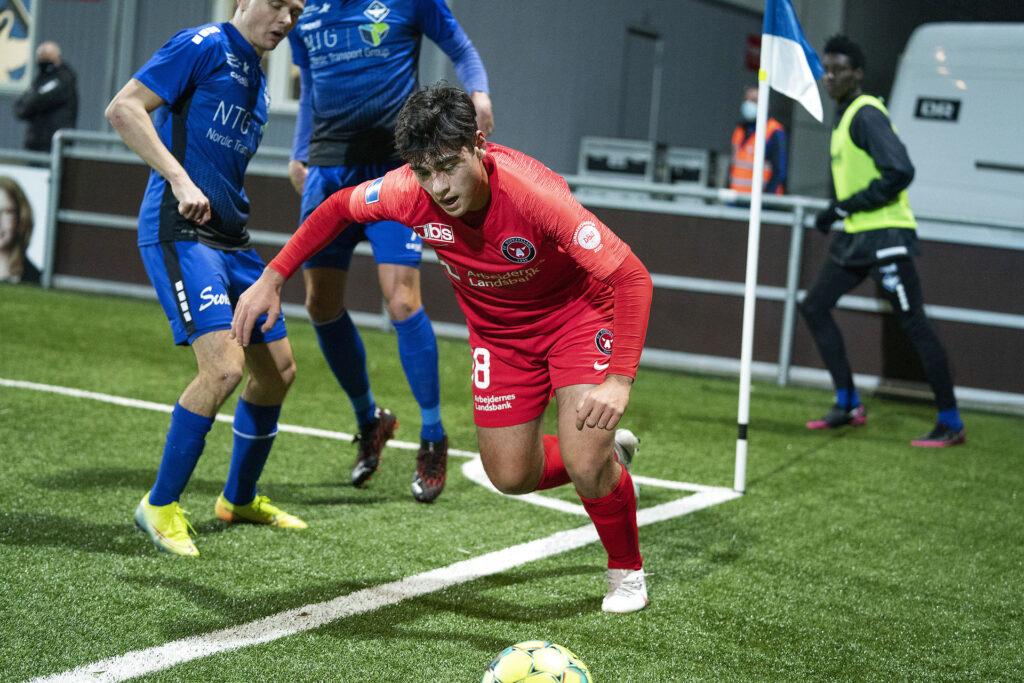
x=357 y=64
x=208 y=92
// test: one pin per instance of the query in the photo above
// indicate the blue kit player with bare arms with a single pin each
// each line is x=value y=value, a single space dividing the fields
x=358 y=62
x=208 y=92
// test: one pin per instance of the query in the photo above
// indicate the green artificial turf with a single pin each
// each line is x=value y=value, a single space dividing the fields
x=851 y=557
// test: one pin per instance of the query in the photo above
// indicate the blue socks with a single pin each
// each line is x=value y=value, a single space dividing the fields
x=343 y=348
x=185 y=441
x=255 y=428
x=847 y=398
x=952 y=418
x=417 y=348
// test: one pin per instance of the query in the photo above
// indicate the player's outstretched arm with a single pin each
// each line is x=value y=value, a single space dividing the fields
x=263 y=297
x=603 y=406
x=129 y=114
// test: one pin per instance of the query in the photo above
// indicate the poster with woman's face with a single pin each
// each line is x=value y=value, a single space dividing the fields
x=24 y=207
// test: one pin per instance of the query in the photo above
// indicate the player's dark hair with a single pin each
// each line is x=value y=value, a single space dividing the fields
x=437 y=120
x=841 y=45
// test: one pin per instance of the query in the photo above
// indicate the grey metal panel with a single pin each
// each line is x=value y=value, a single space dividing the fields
x=555 y=69
x=158 y=20
x=83 y=30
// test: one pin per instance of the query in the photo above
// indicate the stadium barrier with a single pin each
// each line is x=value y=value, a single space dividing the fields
x=692 y=239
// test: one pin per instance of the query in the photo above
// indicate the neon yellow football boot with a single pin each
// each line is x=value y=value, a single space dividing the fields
x=259 y=511
x=167 y=526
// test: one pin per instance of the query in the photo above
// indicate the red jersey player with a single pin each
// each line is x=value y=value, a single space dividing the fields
x=545 y=287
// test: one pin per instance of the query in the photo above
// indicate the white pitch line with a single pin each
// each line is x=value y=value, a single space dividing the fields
x=474 y=471
x=289 y=622
x=163 y=408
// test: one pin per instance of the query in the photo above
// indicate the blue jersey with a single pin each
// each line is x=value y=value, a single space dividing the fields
x=211 y=78
x=358 y=61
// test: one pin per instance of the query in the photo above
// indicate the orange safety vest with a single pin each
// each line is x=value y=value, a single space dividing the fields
x=741 y=173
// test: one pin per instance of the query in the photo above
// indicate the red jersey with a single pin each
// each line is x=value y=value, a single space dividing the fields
x=538 y=259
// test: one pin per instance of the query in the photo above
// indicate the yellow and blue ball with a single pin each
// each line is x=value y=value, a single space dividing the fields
x=536 y=661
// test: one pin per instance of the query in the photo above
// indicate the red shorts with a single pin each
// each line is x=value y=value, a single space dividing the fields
x=514 y=379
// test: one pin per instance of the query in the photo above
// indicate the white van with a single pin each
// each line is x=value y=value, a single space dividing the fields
x=958 y=105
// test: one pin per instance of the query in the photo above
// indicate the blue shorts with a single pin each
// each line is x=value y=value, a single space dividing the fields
x=391 y=242
x=198 y=286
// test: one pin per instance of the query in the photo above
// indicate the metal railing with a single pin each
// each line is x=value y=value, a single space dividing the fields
x=784 y=210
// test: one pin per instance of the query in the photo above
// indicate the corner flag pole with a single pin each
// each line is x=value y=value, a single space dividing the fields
x=789 y=65
x=749 y=291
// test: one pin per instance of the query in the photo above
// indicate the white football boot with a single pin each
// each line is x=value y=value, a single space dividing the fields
x=627 y=591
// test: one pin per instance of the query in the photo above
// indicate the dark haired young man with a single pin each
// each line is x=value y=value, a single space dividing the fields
x=545 y=287
x=870 y=174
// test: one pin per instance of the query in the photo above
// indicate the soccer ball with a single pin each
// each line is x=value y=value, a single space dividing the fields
x=536 y=661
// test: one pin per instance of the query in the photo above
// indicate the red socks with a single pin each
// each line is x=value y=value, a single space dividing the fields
x=554 y=469
x=614 y=517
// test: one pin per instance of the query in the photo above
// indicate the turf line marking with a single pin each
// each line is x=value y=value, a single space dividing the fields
x=295 y=429
x=292 y=621
x=289 y=622
x=474 y=471
x=162 y=408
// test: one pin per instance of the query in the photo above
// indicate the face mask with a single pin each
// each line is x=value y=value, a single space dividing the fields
x=748 y=110
x=44 y=66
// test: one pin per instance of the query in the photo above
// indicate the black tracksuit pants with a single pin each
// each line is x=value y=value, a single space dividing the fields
x=902 y=287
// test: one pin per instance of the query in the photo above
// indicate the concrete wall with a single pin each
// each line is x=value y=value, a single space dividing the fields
x=557 y=69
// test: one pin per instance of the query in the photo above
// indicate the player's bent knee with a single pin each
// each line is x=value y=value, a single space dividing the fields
x=322 y=307
x=288 y=375
x=513 y=482
x=282 y=379
x=515 y=488
x=221 y=381
x=399 y=309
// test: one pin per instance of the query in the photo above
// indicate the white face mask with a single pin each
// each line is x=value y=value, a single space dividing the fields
x=748 y=110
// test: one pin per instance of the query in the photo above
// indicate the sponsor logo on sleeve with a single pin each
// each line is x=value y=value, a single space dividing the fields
x=373 y=191
x=587 y=236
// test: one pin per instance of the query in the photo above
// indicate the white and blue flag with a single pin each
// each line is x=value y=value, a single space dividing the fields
x=789 y=65
x=792 y=66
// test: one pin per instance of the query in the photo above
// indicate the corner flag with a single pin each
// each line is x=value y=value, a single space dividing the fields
x=789 y=65
x=792 y=65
